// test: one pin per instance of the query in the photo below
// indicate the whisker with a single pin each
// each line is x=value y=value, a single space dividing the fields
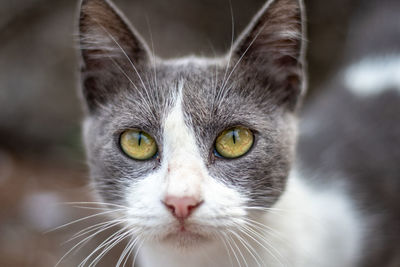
x=129 y=253
x=131 y=250
x=148 y=105
x=149 y=99
x=116 y=242
x=125 y=253
x=125 y=54
x=265 y=228
x=248 y=247
x=91 y=208
x=230 y=50
x=93 y=228
x=240 y=252
x=82 y=242
x=266 y=209
x=82 y=219
x=93 y=203
x=109 y=240
x=229 y=240
x=224 y=92
x=153 y=58
x=264 y=240
x=108 y=247
x=226 y=247
x=244 y=53
x=137 y=251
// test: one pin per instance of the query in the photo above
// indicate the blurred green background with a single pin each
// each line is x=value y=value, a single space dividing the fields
x=41 y=157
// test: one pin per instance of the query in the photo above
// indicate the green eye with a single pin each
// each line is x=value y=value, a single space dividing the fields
x=138 y=144
x=234 y=142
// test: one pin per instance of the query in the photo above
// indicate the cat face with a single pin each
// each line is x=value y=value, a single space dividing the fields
x=190 y=147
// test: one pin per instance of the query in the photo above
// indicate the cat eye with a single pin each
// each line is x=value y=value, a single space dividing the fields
x=138 y=144
x=234 y=142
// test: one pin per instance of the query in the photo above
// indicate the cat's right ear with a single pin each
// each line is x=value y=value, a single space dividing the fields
x=108 y=46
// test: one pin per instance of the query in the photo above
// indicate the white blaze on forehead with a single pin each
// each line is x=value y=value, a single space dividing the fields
x=186 y=169
x=373 y=75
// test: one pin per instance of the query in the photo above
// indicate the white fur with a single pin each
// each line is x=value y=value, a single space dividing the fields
x=374 y=75
x=311 y=228
x=100 y=40
x=195 y=60
x=182 y=173
x=318 y=227
x=186 y=171
x=289 y=34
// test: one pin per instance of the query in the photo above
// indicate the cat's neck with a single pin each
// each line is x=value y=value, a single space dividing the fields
x=307 y=227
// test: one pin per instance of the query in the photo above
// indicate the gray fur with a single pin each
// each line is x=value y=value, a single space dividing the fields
x=258 y=87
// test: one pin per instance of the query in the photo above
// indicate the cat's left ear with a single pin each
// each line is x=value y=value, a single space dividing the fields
x=272 y=47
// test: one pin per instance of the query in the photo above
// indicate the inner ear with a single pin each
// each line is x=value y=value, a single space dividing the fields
x=272 y=46
x=104 y=32
x=108 y=45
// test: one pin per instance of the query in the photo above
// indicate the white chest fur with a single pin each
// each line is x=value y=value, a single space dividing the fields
x=308 y=228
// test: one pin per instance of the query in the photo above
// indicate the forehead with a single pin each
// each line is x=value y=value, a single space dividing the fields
x=213 y=90
x=211 y=98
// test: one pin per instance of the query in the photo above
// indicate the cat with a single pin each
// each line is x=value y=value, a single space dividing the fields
x=196 y=156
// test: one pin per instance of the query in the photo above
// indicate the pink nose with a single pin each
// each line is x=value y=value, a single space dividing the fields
x=181 y=207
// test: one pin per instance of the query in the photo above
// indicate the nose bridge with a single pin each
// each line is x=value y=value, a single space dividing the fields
x=184 y=177
x=185 y=172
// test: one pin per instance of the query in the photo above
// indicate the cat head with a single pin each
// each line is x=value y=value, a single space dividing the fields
x=189 y=147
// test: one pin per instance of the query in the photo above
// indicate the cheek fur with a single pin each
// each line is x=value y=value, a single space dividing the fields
x=183 y=173
x=222 y=206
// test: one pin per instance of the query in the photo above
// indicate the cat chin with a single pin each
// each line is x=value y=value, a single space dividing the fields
x=187 y=237
x=185 y=240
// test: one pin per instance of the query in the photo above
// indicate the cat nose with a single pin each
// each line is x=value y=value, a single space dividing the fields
x=181 y=207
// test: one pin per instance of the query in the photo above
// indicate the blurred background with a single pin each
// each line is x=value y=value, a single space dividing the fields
x=41 y=157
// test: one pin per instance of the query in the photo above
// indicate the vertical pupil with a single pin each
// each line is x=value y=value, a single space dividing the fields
x=140 y=138
x=234 y=136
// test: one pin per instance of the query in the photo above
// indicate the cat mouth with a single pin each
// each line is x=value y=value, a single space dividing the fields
x=185 y=238
x=185 y=235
